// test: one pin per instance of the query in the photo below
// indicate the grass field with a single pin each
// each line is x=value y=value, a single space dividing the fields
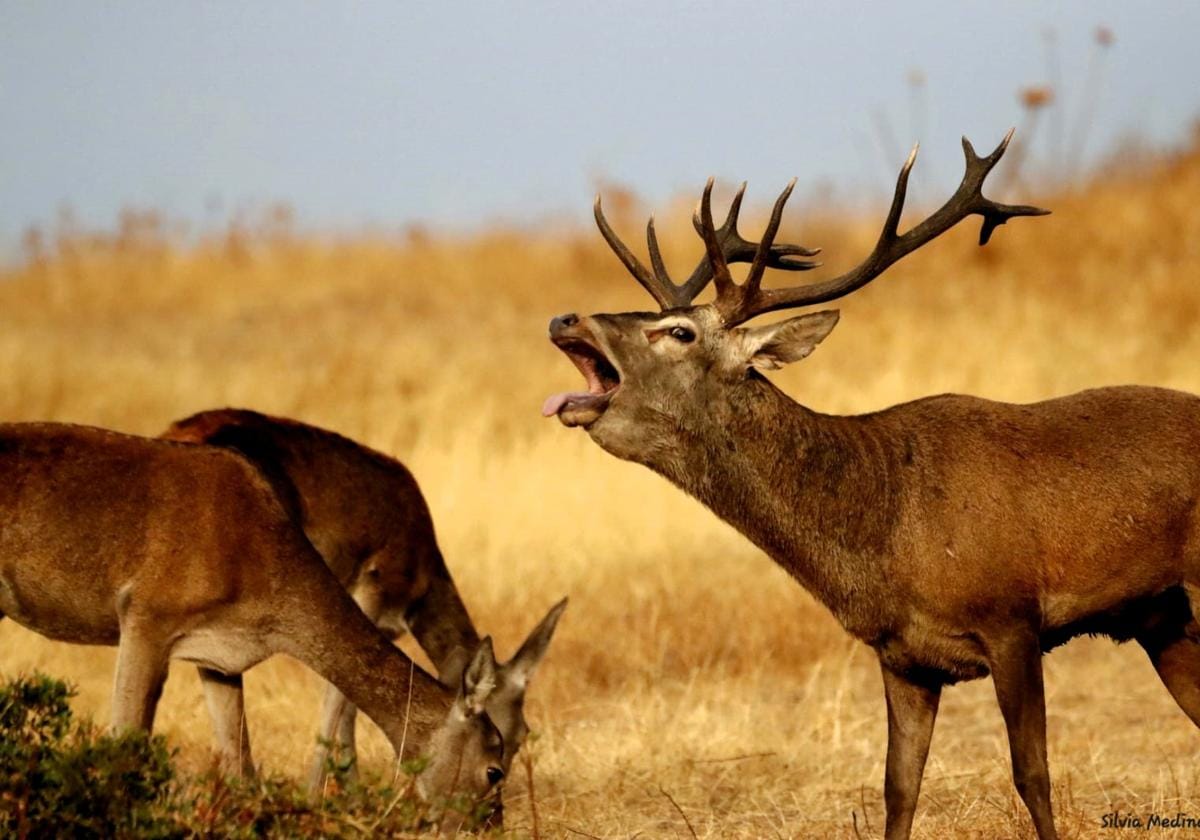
x=692 y=686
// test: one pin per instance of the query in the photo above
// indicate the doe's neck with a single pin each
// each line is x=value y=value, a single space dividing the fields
x=342 y=645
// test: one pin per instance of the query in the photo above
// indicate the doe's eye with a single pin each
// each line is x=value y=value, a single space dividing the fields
x=681 y=334
x=494 y=775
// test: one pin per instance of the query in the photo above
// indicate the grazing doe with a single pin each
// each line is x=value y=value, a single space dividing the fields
x=365 y=514
x=178 y=551
x=956 y=536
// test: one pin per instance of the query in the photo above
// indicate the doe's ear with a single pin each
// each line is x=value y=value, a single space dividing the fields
x=455 y=664
x=775 y=345
x=521 y=666
x=479 y=678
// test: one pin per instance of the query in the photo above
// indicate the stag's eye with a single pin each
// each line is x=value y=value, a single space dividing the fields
x=682 y=334
x=494 y=776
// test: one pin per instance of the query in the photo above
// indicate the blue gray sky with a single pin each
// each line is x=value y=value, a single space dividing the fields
x=461 y=113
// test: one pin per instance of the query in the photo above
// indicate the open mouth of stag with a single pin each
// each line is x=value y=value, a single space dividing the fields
x=581 y=408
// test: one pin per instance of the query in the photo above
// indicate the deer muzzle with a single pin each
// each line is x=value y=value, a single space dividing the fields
x=581 y=408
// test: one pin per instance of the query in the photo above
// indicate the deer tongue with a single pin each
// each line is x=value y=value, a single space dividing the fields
x=555 y=402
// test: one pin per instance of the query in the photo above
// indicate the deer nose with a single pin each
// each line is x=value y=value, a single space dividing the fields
x=562 y=322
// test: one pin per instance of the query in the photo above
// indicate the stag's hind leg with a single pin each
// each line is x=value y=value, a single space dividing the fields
x=1178 y=666
x=1171 y=638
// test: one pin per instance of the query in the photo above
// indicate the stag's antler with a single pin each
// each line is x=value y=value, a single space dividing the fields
x=739 y=303
x=730 y=245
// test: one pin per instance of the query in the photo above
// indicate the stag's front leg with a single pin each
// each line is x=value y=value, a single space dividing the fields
x=1016 y=663
x=912 y=710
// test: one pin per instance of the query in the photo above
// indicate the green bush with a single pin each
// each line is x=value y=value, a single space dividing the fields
x=60 y=777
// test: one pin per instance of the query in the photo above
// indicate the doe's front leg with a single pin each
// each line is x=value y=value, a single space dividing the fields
x=336 y=737
x=225 y=698
x=338 y=714
x=138 y=682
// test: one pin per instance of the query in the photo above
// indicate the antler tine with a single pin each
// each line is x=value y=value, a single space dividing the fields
x=739 y=249
x=717 y=265
x=650 y=282
x=726 y=233
x=968 y=200
x=891 y=246
x=734 y=301
x=763 y=253
x=734 y=248
x=656 y=260
x=995 y=214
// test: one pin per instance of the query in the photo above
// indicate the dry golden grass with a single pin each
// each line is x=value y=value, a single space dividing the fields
x=688 y=666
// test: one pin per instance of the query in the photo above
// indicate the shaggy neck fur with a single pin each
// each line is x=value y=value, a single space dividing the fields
x=817 y=493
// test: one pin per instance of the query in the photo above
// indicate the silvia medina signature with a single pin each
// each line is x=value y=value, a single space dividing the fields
x=1152 y=820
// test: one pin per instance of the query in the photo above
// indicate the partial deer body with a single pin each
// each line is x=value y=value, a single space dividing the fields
x=176 y=551
x=958 y=537
x=365 y=514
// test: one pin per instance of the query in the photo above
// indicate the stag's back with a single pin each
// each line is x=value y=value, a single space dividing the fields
x=1083 y=502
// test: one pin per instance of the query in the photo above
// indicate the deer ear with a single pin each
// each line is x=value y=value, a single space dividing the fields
x=524 y=661
x=775 y=345
x=479 y=678
x=454 y=666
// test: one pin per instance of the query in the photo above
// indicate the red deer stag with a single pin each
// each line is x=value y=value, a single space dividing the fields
x=365 y=514
x=956 y=536
x=179 y=551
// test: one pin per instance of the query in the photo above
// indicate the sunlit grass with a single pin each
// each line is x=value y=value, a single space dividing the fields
x=687 y=662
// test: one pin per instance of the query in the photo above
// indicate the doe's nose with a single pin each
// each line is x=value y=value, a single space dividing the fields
x=562 y=322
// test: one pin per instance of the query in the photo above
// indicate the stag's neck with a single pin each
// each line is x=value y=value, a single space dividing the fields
x=342 y=645
x=817 y=493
